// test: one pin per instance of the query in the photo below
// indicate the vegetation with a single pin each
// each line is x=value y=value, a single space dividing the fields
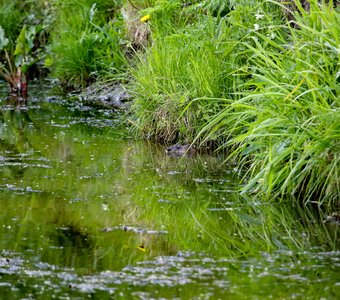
x=287 y=119
x=85 y=42
x=18 y=44
x=259 y=79
x=265 y=90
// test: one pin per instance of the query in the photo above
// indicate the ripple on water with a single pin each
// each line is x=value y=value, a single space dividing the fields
x=23 y=160
x=20 y=190
x=94 y=122
x=184 y=269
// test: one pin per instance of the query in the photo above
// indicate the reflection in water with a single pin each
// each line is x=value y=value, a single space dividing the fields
x=87 y=211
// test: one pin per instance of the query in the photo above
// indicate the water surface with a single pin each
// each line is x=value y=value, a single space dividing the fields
x=88 y=212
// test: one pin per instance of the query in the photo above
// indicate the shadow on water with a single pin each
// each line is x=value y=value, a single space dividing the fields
x=88 y=212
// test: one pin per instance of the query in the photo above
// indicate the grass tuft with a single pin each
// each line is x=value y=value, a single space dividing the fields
x=286 y=124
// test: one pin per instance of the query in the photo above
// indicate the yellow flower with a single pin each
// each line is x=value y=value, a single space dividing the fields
x=145 y=18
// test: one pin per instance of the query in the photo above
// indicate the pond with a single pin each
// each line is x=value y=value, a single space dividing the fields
x=89 y=212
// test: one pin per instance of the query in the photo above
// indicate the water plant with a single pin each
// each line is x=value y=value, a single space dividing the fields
x=19 y=61
x=24 y=26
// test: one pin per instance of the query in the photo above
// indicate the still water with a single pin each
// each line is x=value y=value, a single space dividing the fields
x=88 y=212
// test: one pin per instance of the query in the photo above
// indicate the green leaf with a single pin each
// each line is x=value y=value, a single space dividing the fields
x=21 y=41
x=25 y=41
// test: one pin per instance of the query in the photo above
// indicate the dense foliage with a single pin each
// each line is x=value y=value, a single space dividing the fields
x=259 y=79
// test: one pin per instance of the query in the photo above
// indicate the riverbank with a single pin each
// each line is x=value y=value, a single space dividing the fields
x=260 y=80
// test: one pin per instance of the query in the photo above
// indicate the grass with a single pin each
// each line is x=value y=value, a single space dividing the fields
x=178 y=68
x=260 y=88
x=86 y=42
x=286 y=130
x=181 y=80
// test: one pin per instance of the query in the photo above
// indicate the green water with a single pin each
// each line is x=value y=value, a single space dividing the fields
x=87 y=212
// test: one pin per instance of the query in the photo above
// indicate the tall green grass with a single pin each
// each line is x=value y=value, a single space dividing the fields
x=182 y=78
x=85 y=43
x=178 y=68
x=265 y=90
x=285 y=127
